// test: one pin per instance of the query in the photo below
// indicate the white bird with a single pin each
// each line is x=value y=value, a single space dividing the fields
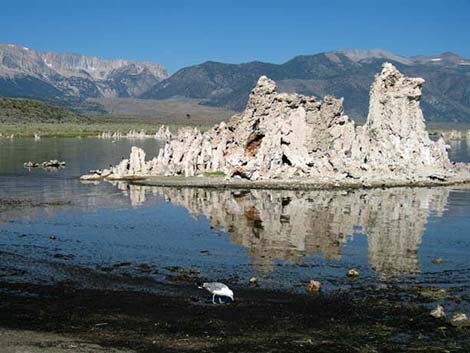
x=219 y=289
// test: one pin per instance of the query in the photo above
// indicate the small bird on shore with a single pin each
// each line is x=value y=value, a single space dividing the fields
x=217 y=289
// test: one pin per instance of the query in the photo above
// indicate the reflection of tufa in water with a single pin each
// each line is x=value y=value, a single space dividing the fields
x=395 y=224
x=136 y=193
x=288 y=224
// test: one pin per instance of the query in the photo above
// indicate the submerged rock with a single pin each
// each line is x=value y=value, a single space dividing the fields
x=288 y=136
x=460 y=320
x=97 y=174
x=438 y=312
x=30 y=164
x=52 y=164
x=314 y=286
x=353 y=273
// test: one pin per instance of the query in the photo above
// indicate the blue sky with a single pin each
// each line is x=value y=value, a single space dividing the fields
x=179 y=33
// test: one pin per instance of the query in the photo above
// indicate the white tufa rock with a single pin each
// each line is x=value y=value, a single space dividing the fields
x=314 y=286
x=438 y=312
x=394 y=137
x=460 y=320
x=353 y=273
x=163 y=134
x=287 y=136
x=453 y=135
x=52 y=164
x=132 y=135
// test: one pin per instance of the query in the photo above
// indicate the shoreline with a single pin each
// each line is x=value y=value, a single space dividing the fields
x=94 y=129
x=84 y=129
x=96 y=126
x=222 y=183
x=64 y=315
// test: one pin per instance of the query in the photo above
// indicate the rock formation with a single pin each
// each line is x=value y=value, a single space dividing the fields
x=132 y=135
x=163 y=133
x=455 y=135
x=283 y=136
x=51 y=164
x=394 y=136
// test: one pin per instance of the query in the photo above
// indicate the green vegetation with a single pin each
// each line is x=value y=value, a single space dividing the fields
x=26 y=117
x=214 y=174
x=92 y=128
x=24 y=111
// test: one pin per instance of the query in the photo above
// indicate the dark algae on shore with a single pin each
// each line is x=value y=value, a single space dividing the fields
x=259 y=321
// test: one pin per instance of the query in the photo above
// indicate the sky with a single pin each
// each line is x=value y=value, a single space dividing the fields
x=180 y=33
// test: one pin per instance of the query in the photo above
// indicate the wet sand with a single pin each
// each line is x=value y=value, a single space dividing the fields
x=19 y=341
x=64 y=317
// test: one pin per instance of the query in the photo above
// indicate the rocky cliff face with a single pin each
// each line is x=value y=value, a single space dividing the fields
x=290 y=136
x=79 y=75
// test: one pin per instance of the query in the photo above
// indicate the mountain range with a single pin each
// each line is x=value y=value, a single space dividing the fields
x=28 y=73
x=345 y=73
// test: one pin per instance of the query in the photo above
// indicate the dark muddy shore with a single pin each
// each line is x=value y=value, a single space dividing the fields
x=63 y=317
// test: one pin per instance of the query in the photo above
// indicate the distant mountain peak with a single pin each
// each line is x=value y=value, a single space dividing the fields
x=452 y=57
x=444 y=58
x=361 y=55
x=450 y=54
x=78 y=75
x=72 y=64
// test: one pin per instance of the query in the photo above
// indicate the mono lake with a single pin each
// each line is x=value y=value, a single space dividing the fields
x=55 y=228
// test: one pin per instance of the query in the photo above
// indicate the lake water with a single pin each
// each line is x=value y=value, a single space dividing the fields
x=284 y=238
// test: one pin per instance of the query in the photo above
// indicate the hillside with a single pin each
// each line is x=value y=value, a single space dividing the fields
x=347 y=73
x=163 y=111
x=24 y=111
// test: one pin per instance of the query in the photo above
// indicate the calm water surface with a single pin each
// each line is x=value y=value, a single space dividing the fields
x=283 y=237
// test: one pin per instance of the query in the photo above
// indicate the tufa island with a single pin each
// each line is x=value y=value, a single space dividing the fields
x=290 y=140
